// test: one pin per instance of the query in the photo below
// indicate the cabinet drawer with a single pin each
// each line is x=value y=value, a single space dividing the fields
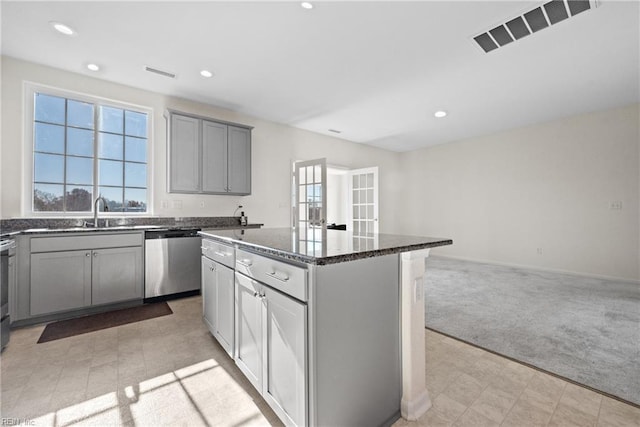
x=224 y=254
x=88 y=240
x=287 y=278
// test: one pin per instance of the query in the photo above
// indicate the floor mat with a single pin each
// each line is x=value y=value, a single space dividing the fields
x=95 y=322
x=584 y=329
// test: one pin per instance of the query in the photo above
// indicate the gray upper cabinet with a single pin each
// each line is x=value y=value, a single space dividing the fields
x=208 y=156
x=214 y=157
x=184 y=154
x=239 y=176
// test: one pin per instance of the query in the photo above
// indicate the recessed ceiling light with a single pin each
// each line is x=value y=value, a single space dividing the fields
x=93 y=67
x=206 y=73
x=62 y=28
x=440 y=114
x=306 y=5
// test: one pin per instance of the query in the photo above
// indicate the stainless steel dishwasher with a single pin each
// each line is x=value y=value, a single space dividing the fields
x=172 y=263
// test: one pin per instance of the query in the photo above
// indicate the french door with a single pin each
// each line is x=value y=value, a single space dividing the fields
x=309 y=205
x=363 y=196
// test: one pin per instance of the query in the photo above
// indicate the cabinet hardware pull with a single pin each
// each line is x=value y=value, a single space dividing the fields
x=87 y=254
x=256 y=294
x=282 y=279
x=222 y=254
x=95 y=254
x=245 y=262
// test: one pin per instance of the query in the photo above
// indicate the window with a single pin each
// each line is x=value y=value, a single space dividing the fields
x=84 y=148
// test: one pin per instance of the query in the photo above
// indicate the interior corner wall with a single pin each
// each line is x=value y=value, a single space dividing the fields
x=274 y=147
x=539 y=196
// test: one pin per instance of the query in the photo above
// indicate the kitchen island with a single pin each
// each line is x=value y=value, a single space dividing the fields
x=327 y=325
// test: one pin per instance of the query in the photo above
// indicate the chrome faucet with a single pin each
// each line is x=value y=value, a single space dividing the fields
x=95 y=209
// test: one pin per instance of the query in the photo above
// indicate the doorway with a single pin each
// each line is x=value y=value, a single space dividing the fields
x=341 y=198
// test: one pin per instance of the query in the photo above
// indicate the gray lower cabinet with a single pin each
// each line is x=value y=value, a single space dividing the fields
x=73 y=272
x=218 y=302
x=116 y=275
x=249 y=333
x=208 y=157
x=284 y=384
x=208 y=291
x=271 y=347
x=321 y=343
x=60 y=281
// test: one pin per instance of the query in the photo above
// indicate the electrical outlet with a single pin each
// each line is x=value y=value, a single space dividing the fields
x=615 y=205
x=202 y=204
x=176 y=204
x=539 y=251
x=164 y=204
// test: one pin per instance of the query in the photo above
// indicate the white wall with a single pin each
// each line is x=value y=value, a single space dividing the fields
x=549 y=186
x=274 y=146
x=500 y=197
x=337 y=200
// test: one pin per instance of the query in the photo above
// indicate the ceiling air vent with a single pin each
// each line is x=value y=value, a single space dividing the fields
x=162 y=73
x=532 y=21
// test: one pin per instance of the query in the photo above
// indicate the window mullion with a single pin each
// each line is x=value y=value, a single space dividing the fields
x=64 y=169
x=124 y=150
x=96 y=184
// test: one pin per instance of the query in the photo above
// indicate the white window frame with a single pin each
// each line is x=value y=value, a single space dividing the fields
x=30 y=89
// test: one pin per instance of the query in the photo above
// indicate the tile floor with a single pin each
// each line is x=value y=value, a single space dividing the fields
x=170 y=371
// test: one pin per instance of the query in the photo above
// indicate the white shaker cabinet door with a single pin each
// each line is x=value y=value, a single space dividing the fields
x=225 y=301
x=208 y=290
x=285 y=364
x=249 y=321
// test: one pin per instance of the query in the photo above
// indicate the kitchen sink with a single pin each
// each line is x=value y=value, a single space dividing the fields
x=91 y=228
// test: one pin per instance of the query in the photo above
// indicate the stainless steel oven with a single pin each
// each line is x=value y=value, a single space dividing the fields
x=7 y=252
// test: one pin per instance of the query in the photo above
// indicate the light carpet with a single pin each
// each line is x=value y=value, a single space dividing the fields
x=583 y=329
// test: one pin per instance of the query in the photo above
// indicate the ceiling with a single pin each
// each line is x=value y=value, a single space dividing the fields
x=376 y=71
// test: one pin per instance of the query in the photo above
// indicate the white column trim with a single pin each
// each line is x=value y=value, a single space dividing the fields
x=415 y=397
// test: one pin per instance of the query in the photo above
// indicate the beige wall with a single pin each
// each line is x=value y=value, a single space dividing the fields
x=549 y=186
x=274 y=147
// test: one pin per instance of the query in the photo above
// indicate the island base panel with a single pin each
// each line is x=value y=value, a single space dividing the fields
x=355 y=348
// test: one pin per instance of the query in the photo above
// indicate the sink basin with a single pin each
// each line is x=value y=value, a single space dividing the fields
x=90 y=229
x=122 y=227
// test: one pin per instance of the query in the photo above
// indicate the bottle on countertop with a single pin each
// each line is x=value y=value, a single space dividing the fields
x=243 y=219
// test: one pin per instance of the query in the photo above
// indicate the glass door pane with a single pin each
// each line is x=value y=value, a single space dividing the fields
x=364 y=202
x=310 y=210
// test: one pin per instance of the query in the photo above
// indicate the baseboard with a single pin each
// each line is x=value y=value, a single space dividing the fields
x=536 y=268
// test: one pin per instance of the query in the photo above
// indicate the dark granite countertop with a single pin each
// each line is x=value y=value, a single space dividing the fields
x=333 y=247
x=19 y=226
